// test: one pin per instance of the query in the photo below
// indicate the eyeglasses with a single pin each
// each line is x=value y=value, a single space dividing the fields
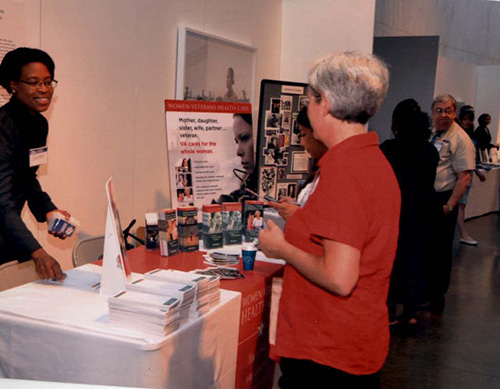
x=38 y=84
x=447 y=111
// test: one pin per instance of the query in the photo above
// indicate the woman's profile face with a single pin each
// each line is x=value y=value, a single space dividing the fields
x=314 y=147
x=35 y=98
x=243 y=136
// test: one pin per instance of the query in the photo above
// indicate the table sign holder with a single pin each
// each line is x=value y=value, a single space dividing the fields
x=115 y=268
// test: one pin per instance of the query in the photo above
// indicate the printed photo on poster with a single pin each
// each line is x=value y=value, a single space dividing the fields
x=296 y=139
x=273 y=120
x=275 y=105
x=183 y=165
x=185 y=197
x=303 y=100
x=183 y=180
x=267 y=182
x=273 y=152
x=282 y=190
x=286 y=103
x=286 y=120
x=292 y=191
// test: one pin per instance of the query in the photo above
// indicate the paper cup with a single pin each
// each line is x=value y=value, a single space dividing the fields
x=248 y=254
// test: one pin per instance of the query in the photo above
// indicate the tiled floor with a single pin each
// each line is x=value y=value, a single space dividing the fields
x=461 y=348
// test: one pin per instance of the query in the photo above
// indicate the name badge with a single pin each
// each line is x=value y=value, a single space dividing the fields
x=38 y=156
x=438 y=145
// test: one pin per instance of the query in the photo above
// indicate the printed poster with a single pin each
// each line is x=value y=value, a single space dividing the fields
x=211 y=151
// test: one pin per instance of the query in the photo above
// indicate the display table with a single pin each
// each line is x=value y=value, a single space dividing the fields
x=59 y=333
x=484 y=196
x=254 y=368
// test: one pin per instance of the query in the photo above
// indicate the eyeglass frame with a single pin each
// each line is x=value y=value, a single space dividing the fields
x=447 y=111
x=38 y=84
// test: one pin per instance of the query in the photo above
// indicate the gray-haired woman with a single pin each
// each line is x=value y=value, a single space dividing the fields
x=340 y=247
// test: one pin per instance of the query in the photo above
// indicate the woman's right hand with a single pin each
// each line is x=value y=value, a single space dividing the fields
x=286 y=199
x=46 y=266
x=285 y=210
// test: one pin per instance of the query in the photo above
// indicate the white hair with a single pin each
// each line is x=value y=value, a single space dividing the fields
x=355 y=84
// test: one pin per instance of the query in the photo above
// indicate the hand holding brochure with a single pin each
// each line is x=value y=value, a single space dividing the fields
x=58 y=223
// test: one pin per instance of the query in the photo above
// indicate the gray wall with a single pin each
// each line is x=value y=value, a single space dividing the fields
x=412 y=64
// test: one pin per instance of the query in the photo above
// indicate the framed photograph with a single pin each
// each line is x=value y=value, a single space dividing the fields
x=212 y=68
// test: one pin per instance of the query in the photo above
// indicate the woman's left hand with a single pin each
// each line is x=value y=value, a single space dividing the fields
x=271 y=240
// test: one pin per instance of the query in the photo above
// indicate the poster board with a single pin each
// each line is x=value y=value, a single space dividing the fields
x=206 y=163
x=281 y=159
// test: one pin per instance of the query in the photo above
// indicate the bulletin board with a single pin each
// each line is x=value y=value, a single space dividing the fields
x=282 y=160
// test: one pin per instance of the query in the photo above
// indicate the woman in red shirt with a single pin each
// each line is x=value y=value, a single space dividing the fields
x=340 y=247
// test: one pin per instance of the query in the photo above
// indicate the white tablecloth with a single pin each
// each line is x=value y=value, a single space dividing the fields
x=484 y=196
x=59 y=333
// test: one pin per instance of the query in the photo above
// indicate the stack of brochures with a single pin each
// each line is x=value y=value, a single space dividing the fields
x=153 y=314
x=184 y=292
x=214 y=290
x=200 y=283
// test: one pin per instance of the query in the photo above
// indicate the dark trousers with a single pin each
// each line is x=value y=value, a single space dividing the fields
x=304 y=374
x=441 y=255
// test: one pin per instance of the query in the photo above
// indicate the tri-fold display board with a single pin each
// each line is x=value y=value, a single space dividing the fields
x=281 y=158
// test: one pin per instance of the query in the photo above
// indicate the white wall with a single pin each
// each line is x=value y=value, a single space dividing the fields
x=115 y=62
x=312 y=29
x=457 y=78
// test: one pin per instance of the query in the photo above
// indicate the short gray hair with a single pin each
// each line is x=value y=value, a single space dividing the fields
x=444 y=98
x=355 y=84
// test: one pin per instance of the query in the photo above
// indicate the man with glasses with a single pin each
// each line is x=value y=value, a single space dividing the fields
x=456 y=162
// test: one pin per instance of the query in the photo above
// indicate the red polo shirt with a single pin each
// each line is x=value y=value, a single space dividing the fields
x=356 y=202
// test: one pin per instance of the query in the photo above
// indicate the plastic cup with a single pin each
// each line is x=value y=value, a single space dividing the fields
x=248 y=254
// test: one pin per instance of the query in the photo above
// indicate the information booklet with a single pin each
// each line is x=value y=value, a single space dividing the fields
x=212 y=226
x=253 y=219
x=186 y=293
x=231 y=223
x=153 y=314
x=168 y=233
x=151 y=223
x=204 y=287
x=187 y=220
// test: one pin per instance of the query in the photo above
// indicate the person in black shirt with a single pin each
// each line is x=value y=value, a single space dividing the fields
x=28 y=75
x=414 y=161
x=482 y=134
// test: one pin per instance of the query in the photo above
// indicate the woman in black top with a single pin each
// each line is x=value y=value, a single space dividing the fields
x=28 y=75
x=482 y=134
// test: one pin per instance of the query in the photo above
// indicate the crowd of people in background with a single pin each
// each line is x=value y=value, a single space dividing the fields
x=434 y=164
